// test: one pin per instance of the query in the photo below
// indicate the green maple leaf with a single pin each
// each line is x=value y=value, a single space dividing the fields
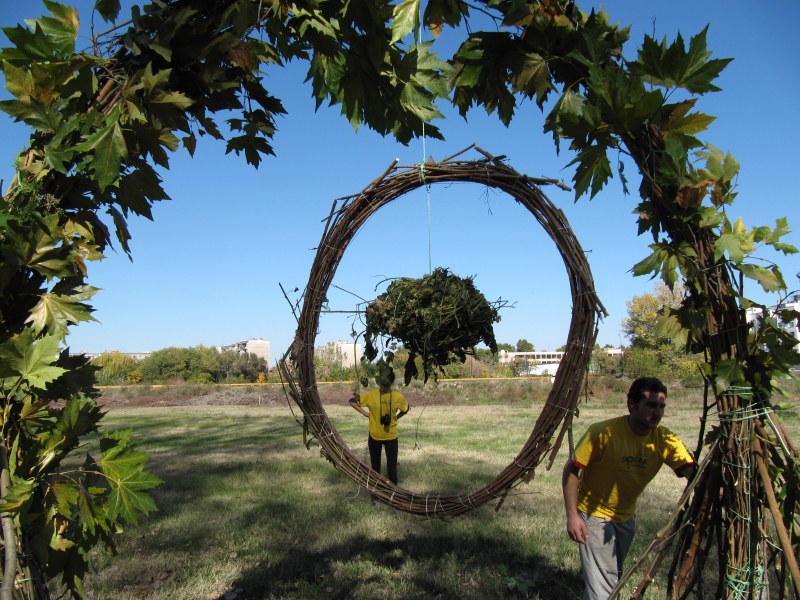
x=594 y=169
x=176 y=99
x=652 y=264
x=785 y=248
x=772 y=236
x=29 y=45
x=728 y=371
x=18 y=494
x=721 y=167
x=405 y=19
x=108 y=9
x=31 y=360
x=123 y=467
x=61 y=28
x=416 y=100
x=447 y=11
x=107 y=146
x=699 y=72
x=150 y=81
x=139 y=189
x=80 y=415
x=674 y=66
x=770 y=279
x=56 y=311
x=533 y=77
x=19 y=81
x=681 y=120
x=736 y=245
x=121 y=228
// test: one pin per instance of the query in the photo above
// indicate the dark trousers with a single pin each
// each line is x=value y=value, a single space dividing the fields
x=391 y=456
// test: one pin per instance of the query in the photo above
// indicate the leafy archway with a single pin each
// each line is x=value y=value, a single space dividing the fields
x=101 y=119
x=347 y=216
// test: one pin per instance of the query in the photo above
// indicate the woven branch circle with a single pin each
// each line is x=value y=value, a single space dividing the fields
x=347 y=216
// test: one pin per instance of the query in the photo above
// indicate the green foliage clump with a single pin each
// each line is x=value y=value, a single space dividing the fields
x=235 y=366
x=116 y=368
x=201 y=365
x=439 y=317
x=667 y=362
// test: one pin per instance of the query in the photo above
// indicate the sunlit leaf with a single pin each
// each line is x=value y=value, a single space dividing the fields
x=123 y=466
x=405 y=19
x=770 y=279
x=56 y=312
x=31 y=360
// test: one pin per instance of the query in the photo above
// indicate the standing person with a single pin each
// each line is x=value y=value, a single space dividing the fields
x=384 y=407
x=614 y=461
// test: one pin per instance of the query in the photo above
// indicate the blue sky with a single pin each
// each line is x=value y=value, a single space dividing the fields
x=207 y=269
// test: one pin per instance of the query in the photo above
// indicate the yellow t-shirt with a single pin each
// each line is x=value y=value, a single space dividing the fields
x=383 y=403
x=617 y=464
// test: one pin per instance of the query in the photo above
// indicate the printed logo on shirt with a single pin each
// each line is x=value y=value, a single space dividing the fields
x=636 y=462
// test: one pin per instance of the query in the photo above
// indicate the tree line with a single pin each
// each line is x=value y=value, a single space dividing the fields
x=191 y=365
x=650 y=353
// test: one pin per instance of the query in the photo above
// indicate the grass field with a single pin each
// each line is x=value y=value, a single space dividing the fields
x=247 y=512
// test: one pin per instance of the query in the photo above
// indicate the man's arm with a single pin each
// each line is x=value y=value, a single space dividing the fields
x=354 y=404
x=402 y=413
x=576 y=528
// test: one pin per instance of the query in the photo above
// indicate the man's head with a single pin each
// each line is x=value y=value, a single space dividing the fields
x=385 y=376
x=647 y=399
x=645 y=384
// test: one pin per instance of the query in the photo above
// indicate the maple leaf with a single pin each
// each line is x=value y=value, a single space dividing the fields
x=55 y=311
x=61 y=28
x=405 y=19
x=107 y=148
x=770 y=279
x=123 y=466
x=675 y=66
x=728 y=371
x=594 y=169
x=31 y=360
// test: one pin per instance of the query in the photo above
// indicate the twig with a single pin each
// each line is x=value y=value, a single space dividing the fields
x=780 y=527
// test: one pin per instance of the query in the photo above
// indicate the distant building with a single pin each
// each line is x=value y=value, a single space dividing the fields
x=505 y=357
x=790 y=327
x=533 y=358
x=255 y=346
x=134 y=355
x=346 y=354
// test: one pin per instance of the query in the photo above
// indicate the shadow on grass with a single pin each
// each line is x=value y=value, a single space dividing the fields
x=428 y=565
x=245 y=506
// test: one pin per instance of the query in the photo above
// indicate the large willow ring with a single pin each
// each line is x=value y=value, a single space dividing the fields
x=346 y=218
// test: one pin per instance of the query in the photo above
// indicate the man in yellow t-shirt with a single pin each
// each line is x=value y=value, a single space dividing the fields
x=614 y=461
x=384 y=406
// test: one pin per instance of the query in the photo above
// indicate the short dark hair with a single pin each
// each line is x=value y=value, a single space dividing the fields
x=385 y=376
x=645 y=384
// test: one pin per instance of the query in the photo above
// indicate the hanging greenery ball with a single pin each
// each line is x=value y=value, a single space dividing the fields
x=439 y=317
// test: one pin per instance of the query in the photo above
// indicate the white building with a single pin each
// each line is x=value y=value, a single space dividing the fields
x=255 y=346
x=534 y=358
x=347 y=354
x=545 y=357
x=133 y=355
x=790 y=327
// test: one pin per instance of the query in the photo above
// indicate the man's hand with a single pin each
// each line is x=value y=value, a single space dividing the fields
x=576 y=528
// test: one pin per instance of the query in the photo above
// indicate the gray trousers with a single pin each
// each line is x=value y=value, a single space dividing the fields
x=603 y=555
